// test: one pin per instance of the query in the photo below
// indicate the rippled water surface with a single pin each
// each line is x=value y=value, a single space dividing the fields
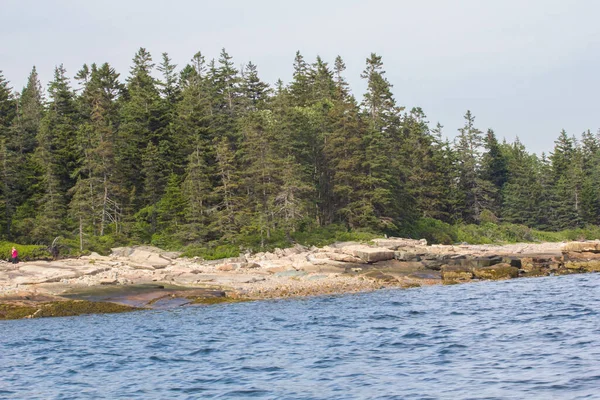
x=521 y=339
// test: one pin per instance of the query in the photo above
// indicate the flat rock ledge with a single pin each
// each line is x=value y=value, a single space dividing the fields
x=148 y=277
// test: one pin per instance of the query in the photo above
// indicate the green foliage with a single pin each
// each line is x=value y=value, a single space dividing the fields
x=211 y=157
x=211 y=253
x=330 y=234
x=26 y=252
x=166 y=241
x=435 y=231
x=589 y=232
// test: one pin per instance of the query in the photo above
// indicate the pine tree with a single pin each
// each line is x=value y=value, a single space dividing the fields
x=225 y=97
x=478 y=194
x=55 y=156
x=382 y=142
x=62 y=118
x=562 y=156
x=253 y=91
x=567 y=176
x=227 y=190
x=8 y=109
x=294 y=203
x=170 y=209
x=590 y=191
x=346 y=158
x=141 y=122
x=198 y=197
x=20 y=174
x=261 y=173
x=169 y=86
x=301 y=85
x=494 y=170
x=29 y=115
x=99 y=194
x=522 y=191
x=428 y=179
x=193 y=122
x=7 y=106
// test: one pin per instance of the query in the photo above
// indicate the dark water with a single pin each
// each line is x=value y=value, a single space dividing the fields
x=522 y=339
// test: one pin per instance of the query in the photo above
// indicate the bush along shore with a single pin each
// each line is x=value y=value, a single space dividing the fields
x=141 y=277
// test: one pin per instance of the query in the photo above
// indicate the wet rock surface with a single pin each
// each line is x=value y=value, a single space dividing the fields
x=148 y=277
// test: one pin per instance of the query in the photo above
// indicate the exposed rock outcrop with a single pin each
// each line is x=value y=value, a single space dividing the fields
x=298 y=271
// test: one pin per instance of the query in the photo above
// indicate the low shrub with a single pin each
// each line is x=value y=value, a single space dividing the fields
x=435 y=231
x=27 y=252
x=329 y=234
x=211 y=253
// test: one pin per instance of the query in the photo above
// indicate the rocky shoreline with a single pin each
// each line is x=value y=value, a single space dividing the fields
x=142 y=277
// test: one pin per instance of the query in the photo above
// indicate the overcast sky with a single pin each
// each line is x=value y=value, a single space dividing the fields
x=525 y=68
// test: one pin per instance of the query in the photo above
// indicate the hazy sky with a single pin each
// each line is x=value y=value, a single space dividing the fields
x=525 y=68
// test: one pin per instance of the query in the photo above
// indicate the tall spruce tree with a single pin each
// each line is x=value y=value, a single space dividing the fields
x=99 y=194
x=477 y=193
x=494 y=170
x=522 y=191
x=8 y=105
x=141 y=122
x=55 y=157
x=382 y=142
x=567 y=181
x=590 y=192
x=21 y=176
x=345 y=156
x=8 y=108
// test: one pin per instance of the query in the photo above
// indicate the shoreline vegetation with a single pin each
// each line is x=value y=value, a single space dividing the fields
x=261 y=190
x=207 y=158
x=144 y=277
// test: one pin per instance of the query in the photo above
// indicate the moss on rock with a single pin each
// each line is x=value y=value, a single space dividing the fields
x=60 y=309
x=13 y=311
x=497 y=272
x=452 y=274
x=534 y=272
x=584 y=266
x=214 y=300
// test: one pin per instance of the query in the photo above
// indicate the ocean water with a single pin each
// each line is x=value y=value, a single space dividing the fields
x=522 y=339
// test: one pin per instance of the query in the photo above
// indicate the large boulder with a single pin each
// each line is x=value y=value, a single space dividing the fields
x=394 y=243
x=145 y=257
x=369 y=254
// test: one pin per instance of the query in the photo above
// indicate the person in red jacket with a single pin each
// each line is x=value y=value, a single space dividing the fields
x=14 y=255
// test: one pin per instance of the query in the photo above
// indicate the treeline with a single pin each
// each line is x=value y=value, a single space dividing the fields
x=210 y=153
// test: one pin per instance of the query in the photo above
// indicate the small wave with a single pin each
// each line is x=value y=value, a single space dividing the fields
x=414 y=335
x=205 y=350
x=244 y=393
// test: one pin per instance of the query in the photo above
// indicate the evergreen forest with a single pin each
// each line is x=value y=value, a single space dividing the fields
x=209 y=156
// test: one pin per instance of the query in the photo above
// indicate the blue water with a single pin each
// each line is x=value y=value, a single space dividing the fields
x=523 y=339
